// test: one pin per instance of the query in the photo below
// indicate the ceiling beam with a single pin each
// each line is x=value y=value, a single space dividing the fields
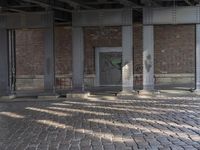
x=75 y=5
x=197 y=1
x=151 y=2
x=128 y=3
x=56 y=17
x=101 y=2
x=45 y=5
x=155 y=3
x=188 y=2
x=171 y=0
x=15 y=10
x=23 y=6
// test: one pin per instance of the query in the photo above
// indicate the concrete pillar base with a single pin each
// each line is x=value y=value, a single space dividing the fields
x=8 y=97
x=127 y=94
x=196 y=91
x=78 y=95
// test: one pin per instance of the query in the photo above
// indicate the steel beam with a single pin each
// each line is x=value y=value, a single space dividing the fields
x=171 y=15
x=127 y=3
x=150 y=2
x=4 y=64
x=188 y=2
x=23 y=6
x=110 y=17
x=15 y=10
x=75 y=4
x=25 y=20
x=45 y=5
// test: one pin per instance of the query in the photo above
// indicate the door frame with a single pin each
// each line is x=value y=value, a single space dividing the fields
x=99 y=50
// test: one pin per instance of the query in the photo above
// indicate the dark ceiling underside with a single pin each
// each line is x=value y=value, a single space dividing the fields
x=64 y=8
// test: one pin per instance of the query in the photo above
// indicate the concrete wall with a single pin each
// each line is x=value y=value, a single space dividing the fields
x=174 y=54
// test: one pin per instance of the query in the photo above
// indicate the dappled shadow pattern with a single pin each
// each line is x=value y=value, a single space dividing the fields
x=95 y=123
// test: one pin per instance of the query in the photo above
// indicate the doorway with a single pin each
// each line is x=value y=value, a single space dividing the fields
x=108 y=66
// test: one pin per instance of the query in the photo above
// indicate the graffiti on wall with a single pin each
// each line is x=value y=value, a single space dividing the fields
x=138 y=78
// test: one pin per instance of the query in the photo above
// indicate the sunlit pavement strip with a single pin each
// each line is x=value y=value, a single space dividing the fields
x=167 y=123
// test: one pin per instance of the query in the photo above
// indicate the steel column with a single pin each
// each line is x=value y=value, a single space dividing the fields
x=12 y=61
x=198 y=57
x=127 y=58
x=4 y=64
x=49 y=65
x=148 y=58
x=78 y=59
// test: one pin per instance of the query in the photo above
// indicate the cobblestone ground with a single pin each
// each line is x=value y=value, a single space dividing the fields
x=101 y=124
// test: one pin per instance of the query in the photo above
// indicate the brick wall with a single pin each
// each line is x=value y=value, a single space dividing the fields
x=99 y=37
x=138 y=48
x=63 y=52
x=110 y=37
x=174 y=49
x=29 y=59
x=30 y=52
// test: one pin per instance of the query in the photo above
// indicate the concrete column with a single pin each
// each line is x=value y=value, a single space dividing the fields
x=198 y=58
x=49 y=65
x=127 y=59
x=4 y=63
x=148 y=58
x=78 y=59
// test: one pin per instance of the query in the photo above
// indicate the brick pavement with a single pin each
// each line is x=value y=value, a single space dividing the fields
x=101 y=124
